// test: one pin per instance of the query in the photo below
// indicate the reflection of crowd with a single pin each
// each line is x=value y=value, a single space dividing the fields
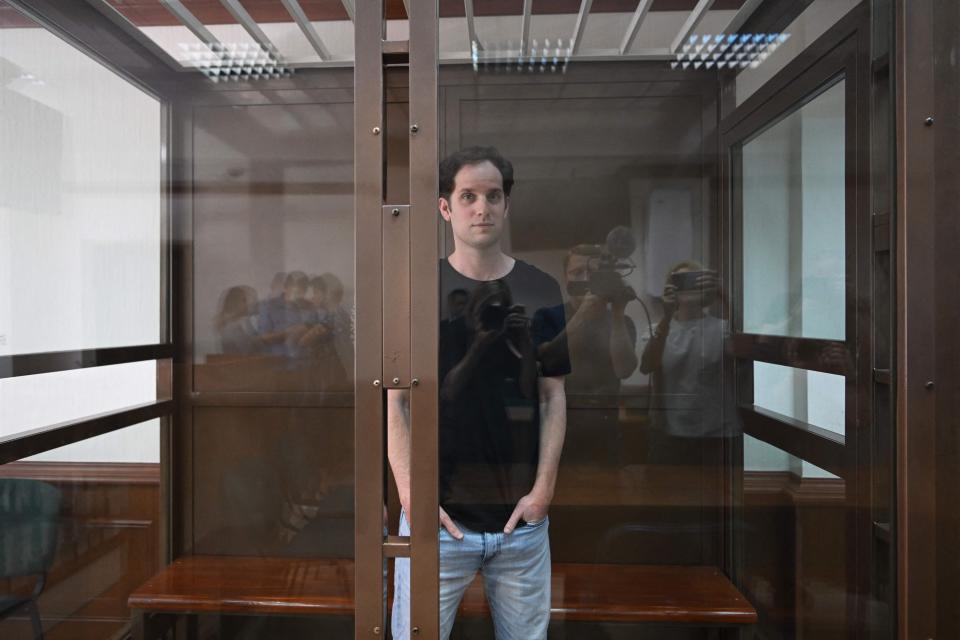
x=302 y=321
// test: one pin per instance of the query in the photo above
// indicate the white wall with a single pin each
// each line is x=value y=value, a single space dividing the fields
x=79 y=201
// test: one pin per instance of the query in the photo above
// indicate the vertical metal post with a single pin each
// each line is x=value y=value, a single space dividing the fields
x=424 y=221
x=917 y=345
x=369 y=416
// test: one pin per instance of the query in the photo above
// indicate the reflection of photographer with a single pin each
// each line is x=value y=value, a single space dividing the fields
x=500 y=344
x=685 y=354
x=600 y=337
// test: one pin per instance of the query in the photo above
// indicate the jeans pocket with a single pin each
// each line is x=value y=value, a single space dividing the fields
x=537 y=523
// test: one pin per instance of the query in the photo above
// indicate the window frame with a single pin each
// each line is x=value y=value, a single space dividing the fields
x=118 y=53
x=840 y=54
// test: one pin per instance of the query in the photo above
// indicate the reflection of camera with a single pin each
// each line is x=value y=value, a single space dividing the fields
x=604 y=282
x=493 y=316
x=609 y=264
x=686 y=280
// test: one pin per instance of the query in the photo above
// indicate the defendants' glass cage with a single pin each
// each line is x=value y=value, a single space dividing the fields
x=645 y=336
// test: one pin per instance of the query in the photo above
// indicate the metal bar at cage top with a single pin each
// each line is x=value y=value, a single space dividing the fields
x=191 y=22
x=691 y=23
x=634 y=27
x=471 y=27
x=248 y=23
x=351 y=9
x=525 y=27
x=296 y=12
x=578 y=29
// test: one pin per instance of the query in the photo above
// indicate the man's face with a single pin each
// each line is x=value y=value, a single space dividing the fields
x=477 y=207
x=578 y=270
x=294 y=292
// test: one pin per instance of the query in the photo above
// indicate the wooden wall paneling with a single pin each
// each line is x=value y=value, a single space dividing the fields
x=796 y=571
x=108 y=544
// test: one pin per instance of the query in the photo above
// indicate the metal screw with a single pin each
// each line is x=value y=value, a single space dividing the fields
x=376 y=631
x=395 y=212
x=415 y=381
x=396 y=381
x=376 y=383
x=414 y=128
x=376 y=131
x=416 y=630
x=928 y=121
x=929 y=384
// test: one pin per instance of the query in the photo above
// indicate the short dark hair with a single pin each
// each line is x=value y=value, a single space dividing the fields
x=296 y=279
x=589 y=250
x=452 y=164
x=318 y=283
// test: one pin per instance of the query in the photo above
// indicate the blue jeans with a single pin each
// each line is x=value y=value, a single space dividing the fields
x=516 y=580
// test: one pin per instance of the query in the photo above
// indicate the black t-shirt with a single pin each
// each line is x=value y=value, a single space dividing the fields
x=490 y=423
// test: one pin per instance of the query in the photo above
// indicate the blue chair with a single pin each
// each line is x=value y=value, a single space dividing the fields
x=29 y=511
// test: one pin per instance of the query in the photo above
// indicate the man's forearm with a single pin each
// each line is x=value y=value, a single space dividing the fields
x=553 y=427
x=398 y=441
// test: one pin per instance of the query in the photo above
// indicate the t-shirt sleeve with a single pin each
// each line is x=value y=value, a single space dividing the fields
x=548 y=327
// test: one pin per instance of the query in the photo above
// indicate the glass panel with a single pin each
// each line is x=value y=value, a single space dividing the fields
x=80 y=529
x=808 y=396
x=580 y=257
x=580 y=319
x=263 y=208
x=283 y=486
x=80 y=199
x=273 y=218
x=794 y=222
x=795 y=539
x=31 y=402
x=271 y=288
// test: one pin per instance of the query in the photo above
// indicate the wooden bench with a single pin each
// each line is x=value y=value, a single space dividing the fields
x=694 y=595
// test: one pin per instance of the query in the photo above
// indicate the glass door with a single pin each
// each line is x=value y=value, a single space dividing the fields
x=660 y=317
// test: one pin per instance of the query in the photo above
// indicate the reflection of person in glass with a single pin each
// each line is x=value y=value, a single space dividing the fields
x=488 y=344
x=342 y=325
x=317 y=338
x=235 y=321
x=283 y=319
x=456 y=303
x=685 y=356
x=600 y=337
x=502 y=423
